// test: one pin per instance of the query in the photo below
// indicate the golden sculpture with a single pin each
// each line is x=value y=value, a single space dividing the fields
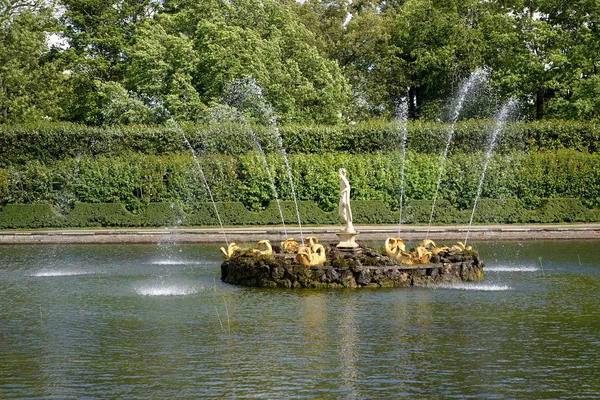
x=393 y=246
x=430 y=245
x=267 y=245
x=460 y=246
x=310 y=240
x=230 y=250
x=311 y=255
x=290 y=245
x=421 y=255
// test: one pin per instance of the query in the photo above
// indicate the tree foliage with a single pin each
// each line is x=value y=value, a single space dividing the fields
x=29 y=78
x=317 y=61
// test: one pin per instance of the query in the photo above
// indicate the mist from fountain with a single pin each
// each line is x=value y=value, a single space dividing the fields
x=201 y=171
x=501 y=119
x=475 y=77
x=271 y=181
x=400 y=122
x=288 y=170
x=238 y=94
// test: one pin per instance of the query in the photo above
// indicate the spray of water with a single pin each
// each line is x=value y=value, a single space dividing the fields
x=400 y=120
x=272 y=182
x=288 y=171
x=475 y=77
x=201 y=171
x=246 y=93
x=500 y=120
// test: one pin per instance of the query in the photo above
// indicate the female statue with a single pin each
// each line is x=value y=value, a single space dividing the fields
x=344 y=209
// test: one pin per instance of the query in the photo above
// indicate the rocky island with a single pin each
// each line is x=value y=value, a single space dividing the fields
x=347 y=264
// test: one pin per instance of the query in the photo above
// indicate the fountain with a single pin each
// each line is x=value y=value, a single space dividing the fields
x=462 y=95
x=288 y=170
x=500 y=120
x=401 y=125
x=270 y=176
x=348 y=264
x=246 y=89
x=207 y=186
x=238 y=95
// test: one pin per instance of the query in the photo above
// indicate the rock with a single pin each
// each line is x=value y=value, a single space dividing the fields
x=318 y=274
x=384 y=281
x=421 y=280
x=376 y=274
x=286 y=283
x=347 y=280
x=277 y=273
x=357 y=268
x=268 y=283
x=432 y=272
x=332 y=275
x=346 y=269
x=364 y=277
x=393 y=274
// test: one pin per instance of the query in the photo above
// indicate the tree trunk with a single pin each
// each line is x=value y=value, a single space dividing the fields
x=539 y=102
x=3 y=108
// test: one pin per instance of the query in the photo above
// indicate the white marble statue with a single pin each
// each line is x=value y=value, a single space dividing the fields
x=344 y=208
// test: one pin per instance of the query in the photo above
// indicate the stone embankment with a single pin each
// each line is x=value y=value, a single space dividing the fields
x=325 y=233
x=349 y=270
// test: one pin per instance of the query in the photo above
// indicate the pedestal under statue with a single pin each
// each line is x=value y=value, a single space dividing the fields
x=347 y=235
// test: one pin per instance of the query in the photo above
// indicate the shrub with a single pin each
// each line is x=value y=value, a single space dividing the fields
x=29 y=216
x=234 y=213
x=48 y=142
x=99 y=215
x=137 y=180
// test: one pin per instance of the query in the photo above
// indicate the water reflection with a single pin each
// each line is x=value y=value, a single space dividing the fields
x=72 y=325
x=347 y=348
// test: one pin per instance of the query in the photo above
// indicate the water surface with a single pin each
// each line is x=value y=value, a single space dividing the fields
x=147 y=321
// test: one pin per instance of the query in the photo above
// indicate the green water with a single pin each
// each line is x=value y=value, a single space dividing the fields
x=147 y=321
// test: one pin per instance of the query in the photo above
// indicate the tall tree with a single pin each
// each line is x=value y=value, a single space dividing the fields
x=263 y=39
x=371 y=61
x=579 y=95
x=440 y=44
x=161 y=67
x=29 y=77
x=358 y=35
x=99 y=33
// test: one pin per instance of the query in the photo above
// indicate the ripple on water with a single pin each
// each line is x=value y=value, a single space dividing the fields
x=508 y=268
x=172 y=262
x=479 y=287
x=45 y=274
x=173 y=290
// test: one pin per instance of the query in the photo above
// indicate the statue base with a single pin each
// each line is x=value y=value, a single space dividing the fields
x=348 y=241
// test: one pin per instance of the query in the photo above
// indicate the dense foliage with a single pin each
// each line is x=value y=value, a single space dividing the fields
x=105 y=62
x=136 y=180
x=48 y=142
x=365 y=212
x=95 y=96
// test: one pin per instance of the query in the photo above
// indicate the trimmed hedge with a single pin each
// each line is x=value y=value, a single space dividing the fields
x=30 y=216
x=137 y=180
x=56 y=141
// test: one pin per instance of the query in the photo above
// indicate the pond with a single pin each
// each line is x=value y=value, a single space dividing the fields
x=154 y=321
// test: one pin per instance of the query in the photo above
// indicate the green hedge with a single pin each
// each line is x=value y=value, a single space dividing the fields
x=56 y=141
x=365 y=212
x=137 y=180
